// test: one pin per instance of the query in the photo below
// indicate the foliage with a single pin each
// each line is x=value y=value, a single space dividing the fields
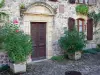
x=72 y=41
x=17 y=44
x=96 y=17
x=98 y=45
x=58 y=58
x=3 y=13
x=22 y=6
x=1 y=40
x=82 y=9
x=4 y=68
x=92 y=51
x=2 y=3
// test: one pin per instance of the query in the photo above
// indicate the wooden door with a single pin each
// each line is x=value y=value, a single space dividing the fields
x=38 y=34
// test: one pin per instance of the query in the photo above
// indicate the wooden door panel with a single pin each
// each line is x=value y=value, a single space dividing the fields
x=34 y=52
x=38 y=33
x=34 y=32
x=41 y=44
x=42 y=51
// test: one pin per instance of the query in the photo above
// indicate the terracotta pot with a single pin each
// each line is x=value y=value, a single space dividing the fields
x=77 y=55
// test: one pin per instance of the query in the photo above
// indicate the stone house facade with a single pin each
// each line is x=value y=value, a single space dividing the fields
x=45 y=21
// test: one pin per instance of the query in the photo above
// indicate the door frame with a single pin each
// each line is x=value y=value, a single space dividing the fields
x=28 y=18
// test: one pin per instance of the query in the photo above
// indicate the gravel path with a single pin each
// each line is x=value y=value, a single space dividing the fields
x=89 y=64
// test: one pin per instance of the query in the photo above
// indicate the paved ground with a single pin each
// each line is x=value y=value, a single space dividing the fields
x=88 y=65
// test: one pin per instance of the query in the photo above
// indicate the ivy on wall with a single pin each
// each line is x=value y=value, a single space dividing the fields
x=95 y=16
x=2 y=3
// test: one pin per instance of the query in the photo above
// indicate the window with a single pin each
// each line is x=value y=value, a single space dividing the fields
x=82 y=1
x=86 y=1
x=4 y=17
x=81 y=25
x=53 y=0
x=89 y=2
x=72 y=1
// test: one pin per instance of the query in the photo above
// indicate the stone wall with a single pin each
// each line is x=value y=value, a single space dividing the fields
x=60 y=19
x=3 y=59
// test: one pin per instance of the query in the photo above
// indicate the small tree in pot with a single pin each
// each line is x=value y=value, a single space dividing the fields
x=72 y=42
x=18 y=46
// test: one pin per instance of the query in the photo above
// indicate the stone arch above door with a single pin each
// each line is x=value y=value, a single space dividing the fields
x=40 y=8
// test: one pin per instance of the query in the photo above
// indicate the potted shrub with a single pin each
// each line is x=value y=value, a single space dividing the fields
x=82 y=9
x=72 y=43
x=18 y=46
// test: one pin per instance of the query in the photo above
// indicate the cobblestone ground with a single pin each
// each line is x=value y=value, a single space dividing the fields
x=89 y=64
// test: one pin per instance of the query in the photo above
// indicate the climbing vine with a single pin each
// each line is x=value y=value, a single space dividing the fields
x=95 y=16
x=96 y=19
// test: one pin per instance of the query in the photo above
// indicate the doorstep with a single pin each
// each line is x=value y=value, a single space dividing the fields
x=32 y=62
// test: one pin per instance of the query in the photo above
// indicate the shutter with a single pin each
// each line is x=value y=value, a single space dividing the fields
x=72 y=1
x=71 y=23
x=92 y=2
x=90 y=29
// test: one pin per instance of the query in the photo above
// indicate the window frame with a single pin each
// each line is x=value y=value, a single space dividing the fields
x=84 y=2
x=83 y=24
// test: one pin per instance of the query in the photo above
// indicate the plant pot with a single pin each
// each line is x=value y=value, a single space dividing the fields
x=77 y=55
x=22 y=10
x=29 y=59
x=16 y=68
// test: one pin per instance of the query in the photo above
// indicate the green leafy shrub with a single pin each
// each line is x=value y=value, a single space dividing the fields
x=82 y=9
x=98 y=45
x=17 y=44
x=72 y=41
x=58 y=58
x=97 y=49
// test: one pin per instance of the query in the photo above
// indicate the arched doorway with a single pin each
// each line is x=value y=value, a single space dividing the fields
x=38 y=22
